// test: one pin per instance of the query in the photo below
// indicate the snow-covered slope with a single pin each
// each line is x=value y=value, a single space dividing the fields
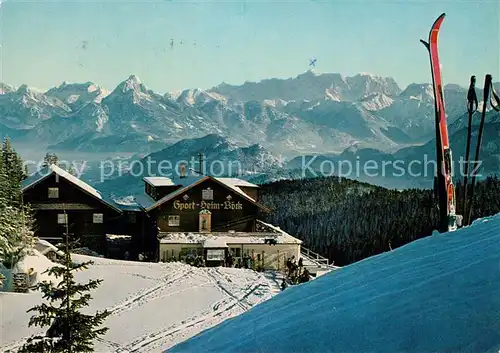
x=437 y=294
x=154 y=306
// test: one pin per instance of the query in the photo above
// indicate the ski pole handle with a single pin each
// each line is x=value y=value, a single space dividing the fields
x=471 y=96
x=487 y=87
x=494 y=97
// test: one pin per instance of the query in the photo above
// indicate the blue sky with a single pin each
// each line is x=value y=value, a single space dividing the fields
x=236 y=41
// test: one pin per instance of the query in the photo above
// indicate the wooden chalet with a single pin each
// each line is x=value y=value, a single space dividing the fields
x=201 y=204
x=213 y=217
x=210 y=216
x=61 y=200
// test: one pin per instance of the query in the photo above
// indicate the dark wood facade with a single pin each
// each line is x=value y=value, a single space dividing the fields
x=137 y=224
x=227 y=209
x=88 y=217
x=157 y=192
x=205 y=205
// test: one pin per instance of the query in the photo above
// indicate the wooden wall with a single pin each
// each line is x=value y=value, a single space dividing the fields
x=80 y=217
x=225 y=213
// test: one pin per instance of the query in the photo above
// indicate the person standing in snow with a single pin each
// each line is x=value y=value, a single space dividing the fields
x=283 y=284
x=305 y=276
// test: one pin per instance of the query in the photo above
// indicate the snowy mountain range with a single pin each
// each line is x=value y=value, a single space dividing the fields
x=311 y=113
x=221 y=157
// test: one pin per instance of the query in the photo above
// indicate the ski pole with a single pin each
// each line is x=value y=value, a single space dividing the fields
x=494 y=96
x=471 y=108
x=487 y=85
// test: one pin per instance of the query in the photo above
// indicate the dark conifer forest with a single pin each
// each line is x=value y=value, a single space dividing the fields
x=347 y=221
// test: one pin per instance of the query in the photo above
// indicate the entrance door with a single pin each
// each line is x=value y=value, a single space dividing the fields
x=205 y=221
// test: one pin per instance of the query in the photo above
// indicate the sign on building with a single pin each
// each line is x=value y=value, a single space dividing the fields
x=215 y=255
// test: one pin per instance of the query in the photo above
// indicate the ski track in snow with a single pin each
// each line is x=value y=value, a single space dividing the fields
x=239 y=291
x=146 y=295
x=224 y=308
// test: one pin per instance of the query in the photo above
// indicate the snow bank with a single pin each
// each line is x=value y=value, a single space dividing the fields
x=437 y=294
x=153 y=305
x=37 y=264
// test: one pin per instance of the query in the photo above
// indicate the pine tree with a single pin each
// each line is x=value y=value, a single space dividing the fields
x=16 y=222
x=50 y=158
x=69 y=330
x=12 y=172
x=16 y=234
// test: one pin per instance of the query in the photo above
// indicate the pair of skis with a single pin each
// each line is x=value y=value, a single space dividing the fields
x=448 y=219
x=472 y=105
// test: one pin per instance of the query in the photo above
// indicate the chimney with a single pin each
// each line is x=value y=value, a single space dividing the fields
x=183 y=170
x=200 y=163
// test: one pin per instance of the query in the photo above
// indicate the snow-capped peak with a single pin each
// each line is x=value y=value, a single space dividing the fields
x=419 y=91
x=132 y=83
x=376 y=101
x=25 y=90
x=132 y=86
x=5 y=88
x=78 y=93
x=199 y=96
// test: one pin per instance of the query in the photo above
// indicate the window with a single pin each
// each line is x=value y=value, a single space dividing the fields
x=207 y=194
x=98 y=218
x=53 y=193
x=174 y=221
x=62 y=218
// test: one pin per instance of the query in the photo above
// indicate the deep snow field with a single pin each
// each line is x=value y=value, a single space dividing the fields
x=437 y=294
x=154 y=305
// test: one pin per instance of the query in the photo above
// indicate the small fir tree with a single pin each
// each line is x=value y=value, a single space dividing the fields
x=12 y=173
x=16 y=234
x=69 y=330
x=50 y=158
x=16 y=222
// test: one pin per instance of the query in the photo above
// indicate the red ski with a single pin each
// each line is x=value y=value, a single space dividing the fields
x=444 y=182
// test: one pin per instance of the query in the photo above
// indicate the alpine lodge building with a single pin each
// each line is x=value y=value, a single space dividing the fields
x=176 y=218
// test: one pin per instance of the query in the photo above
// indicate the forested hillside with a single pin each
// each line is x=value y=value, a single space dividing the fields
x=347 y=221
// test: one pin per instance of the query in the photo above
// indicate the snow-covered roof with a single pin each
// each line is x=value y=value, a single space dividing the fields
x=44 y=247
x=45 y=172
x=39 y=263
x=118 y=237
x=159 y=181
x=214 y=242
x=234 y=184
x=191 y=181
x=226 y=238
x=237 y=182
